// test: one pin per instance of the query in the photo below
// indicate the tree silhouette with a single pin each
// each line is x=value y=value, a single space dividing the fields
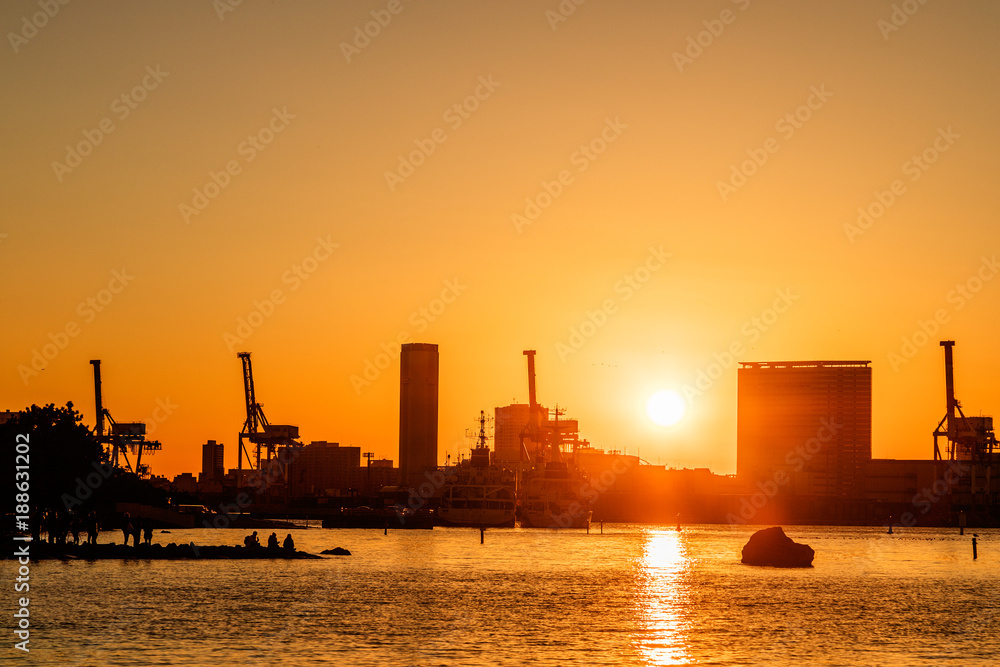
x=62 y=454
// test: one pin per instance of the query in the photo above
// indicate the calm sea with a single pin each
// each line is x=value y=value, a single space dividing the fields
x=634 y=595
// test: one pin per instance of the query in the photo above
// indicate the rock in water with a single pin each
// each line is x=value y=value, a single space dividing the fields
x=337 y=551
x=772 y=547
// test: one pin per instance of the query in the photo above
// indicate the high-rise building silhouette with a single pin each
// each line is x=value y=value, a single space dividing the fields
x=805 y=426
x=418 y=412
x=212 y=463
x=509 y=421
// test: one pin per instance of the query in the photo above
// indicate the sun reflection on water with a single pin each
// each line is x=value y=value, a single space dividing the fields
x=663 y=599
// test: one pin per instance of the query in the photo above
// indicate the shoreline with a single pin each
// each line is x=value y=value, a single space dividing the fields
x=90 y=552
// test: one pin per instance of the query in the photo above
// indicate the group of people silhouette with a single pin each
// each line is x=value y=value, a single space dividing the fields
x=135 y=527
x=58 y=525
x=252 y=542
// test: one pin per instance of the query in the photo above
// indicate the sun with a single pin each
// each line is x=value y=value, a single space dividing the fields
x=666 y=407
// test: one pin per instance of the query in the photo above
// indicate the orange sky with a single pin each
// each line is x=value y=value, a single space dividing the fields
x=624 y=133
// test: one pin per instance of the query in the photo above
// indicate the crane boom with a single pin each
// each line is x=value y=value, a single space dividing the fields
x=99 y=428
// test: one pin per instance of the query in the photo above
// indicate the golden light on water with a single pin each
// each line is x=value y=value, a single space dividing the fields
x=662 y=601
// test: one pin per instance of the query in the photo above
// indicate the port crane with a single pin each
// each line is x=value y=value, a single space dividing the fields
x=967 y=438
x=257 y=430
x=121 y=437
x=533 y=429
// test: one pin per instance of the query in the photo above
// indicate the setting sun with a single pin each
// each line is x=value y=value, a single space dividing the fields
x=666 y=407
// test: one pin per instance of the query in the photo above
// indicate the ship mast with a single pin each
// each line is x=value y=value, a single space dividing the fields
x=481 y=452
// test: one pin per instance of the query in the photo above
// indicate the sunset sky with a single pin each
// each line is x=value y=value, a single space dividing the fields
x=676 y=173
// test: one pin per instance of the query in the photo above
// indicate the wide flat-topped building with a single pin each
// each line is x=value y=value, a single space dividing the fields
x=805 y=425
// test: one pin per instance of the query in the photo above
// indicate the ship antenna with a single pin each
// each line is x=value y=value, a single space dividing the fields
x=482 y=428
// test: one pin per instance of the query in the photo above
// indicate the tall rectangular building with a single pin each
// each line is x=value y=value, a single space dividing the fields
x=805 y=425
x=212 y=463
x=509 y=421
x=418 y=412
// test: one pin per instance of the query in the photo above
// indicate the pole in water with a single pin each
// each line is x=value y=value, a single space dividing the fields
x=602 y=527
x=386 y=524
x=482 y=535
x=974 y=554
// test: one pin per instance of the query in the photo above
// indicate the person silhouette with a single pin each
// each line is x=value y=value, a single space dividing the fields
x=49 y=521
x=92 y=527
x=35 y=525
x=126 y=526
x=79 y=526
x=272 y=541
x=147 y=531
x=289 y=543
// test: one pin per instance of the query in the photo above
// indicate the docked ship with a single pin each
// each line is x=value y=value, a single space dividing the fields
x=552 y=498
x=478 y=493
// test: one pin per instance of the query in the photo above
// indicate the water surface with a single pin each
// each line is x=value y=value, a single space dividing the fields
x=636 y=595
